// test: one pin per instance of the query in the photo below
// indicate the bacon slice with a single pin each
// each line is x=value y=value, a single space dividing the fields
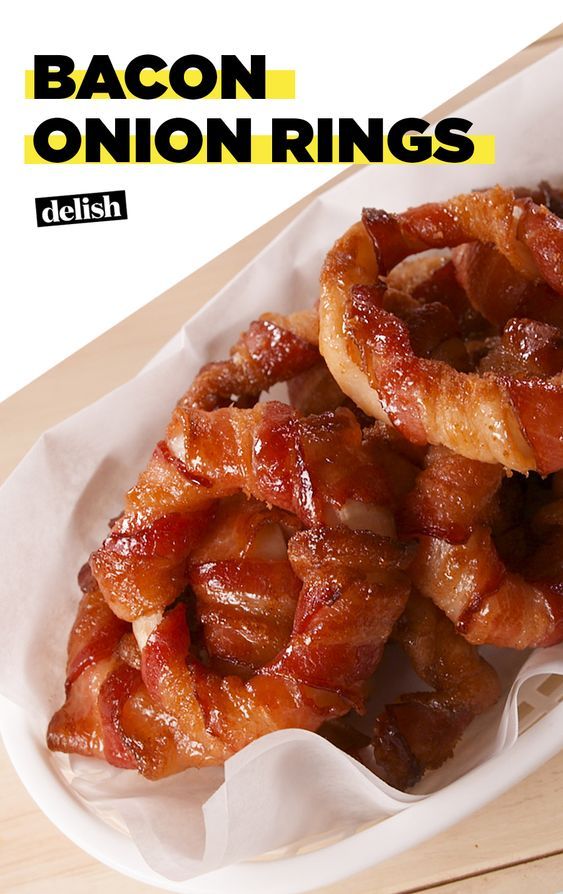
x=315 y=391
x=420 y=731
x=307 y=466
x=141 y=566
x=301 y=465
x=107 y=712
x=246 y=591
x=93 y=642
x=429 y=401
x=353 y=592
x=273 y=349
x=450 y=497
x=528 y=235
x=137 y=733
x=487 y=603
x=499 y=292
x=403 y=363
x=466 y=570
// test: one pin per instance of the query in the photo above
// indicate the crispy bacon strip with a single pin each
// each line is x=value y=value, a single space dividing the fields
x=137 y=733
x=92 y=647
x=528 y=235
x=374 y=346
x=498 y=292
x=315 y=391
x=460 y=567
x=486 y=602
x=307 y=466
x=353 y=592
x=246 y=591
x=273 y=349
x=108 y=712
x=450 y=497
x=421 y=730
x=141 y=566
x=429 y=401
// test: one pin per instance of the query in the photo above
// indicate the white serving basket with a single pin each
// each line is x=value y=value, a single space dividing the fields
x=280 y=791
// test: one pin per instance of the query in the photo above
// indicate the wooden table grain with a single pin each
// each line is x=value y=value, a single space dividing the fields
x=512 y=846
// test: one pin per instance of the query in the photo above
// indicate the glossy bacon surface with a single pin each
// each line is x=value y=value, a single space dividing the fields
x=495 y=289
x=420 y=731
x=246 y=590
x=430 y=401
x=353 y=592
x=141 y=566
x=449 y=497
x=107 y=711
x=273 y=349
x=92 y=648
x=486 y=602
x=484 y=573
x=308 y=466
x=303 y=465
x=254 y=577
x=410 y=359
x=528 y=235
x=315 y=391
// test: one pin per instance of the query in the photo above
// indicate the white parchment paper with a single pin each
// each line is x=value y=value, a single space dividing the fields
x=291 y=785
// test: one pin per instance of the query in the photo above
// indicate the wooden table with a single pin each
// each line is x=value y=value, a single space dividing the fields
x=513 y=845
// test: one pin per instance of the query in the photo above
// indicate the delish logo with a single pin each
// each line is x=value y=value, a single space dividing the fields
x=53 y=211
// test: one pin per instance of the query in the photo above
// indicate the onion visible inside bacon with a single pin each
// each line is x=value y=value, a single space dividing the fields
x=254 y=577
x=408 y=351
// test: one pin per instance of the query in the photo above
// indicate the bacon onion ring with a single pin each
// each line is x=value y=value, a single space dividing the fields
x=514 y=420
x=353 y=592
x=485 y=564
x=308 y=466
x=273 y=349
x=108 y=712
x=420 y=731
x=255 y=575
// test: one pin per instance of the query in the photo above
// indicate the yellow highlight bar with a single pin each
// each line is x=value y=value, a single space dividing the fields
x=280 y=84
x=261 y=152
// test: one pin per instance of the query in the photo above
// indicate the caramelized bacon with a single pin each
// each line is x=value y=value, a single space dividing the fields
x=315 y=391
x=450 y=496
x=404 y=363
x=498 y=292
x=528 y=235
x=302 y=465
x=93 y=642
x=245 y=589
x=486 y=602
x=429 y=401
x=353 y=592
x=307 y=466
x=273 y=349
x=354 y=588
x=256 y=557
x=486 y=577
x=421 y=730
x=107 y=712
x=141 y=566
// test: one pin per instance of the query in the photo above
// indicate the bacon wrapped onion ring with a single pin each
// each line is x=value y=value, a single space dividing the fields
x=108 y=712
x=490 y=552
x=311 y=467
x=420 y=731
x=515 y=420
x=273 y=349
x=178 y=712
x=353 y=592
